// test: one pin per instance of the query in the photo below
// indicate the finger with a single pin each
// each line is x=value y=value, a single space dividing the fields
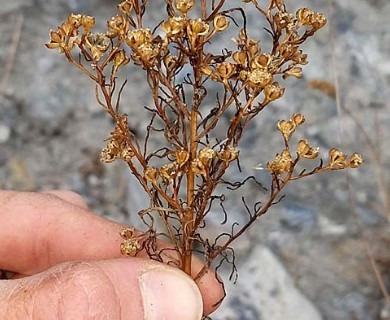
x=69 y=196
x=134 y=289
x=43 y=230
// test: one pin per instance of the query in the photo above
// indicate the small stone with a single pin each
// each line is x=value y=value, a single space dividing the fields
x=327 y=227
x=12 y=6
x=298 y=218
x=385 y=312
x=5 y=133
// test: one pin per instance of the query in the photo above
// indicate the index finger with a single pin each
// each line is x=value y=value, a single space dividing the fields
x=41 y=230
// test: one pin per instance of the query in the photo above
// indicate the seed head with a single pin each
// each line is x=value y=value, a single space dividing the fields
x=197 y=28
x=138 y=37
x=64 y=38
x=337 y=160
x=287 y=128
x=130 y=247
x=298 y=119
x=75 y=20
x=355 y=160
x=240 y=57
x=225 y=70
x=295 y=72
x=206 y=155
x=98 y=43
x=182 y=157
x=174 y=26
x=198 y=167
x=127 y=154
x=228 y=154
x=119 y=26
x=168 y=172
x=273 y=91
x=120 y=59
x=151 y=174
x=125 y=7
x=184 y=5
x=259 y=78
x=281 y=164
x=221 y=23
x=87 y=22
x=306 y=151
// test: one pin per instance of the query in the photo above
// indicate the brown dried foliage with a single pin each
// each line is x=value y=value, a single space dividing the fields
x=182 y=176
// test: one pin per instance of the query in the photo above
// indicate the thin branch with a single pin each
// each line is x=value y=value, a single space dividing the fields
x=10 y=60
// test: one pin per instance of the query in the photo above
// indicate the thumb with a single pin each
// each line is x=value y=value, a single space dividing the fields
x=132 y=289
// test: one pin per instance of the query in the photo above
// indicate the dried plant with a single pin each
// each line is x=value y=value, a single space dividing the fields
x=181 y=176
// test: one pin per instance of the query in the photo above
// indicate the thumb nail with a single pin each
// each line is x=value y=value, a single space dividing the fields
x=170 y=294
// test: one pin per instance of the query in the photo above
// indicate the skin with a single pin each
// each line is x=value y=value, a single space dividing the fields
x=60 y=252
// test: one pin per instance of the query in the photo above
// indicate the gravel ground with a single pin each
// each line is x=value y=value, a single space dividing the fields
x=52 y=131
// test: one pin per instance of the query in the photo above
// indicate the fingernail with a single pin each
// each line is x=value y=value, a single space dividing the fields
x=170 y=294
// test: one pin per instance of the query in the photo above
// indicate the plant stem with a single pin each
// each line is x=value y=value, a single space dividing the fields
x=188 y=227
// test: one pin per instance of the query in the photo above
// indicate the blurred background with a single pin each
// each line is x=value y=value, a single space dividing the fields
x=323 y=252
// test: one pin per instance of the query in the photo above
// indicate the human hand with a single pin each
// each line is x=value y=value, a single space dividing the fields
x=67 y=265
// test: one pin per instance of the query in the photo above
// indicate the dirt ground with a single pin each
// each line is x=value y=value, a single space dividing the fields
x=52 y=131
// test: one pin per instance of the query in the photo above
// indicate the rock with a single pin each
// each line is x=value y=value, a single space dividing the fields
x=10 y=6
x=264 y=291
x=354 y=304
x=5 y=133
x=328 y=227
x=385 y=312
x=298 y=218
x=370 y=218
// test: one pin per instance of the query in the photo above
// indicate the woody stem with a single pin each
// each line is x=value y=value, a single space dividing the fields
x=188 y=228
